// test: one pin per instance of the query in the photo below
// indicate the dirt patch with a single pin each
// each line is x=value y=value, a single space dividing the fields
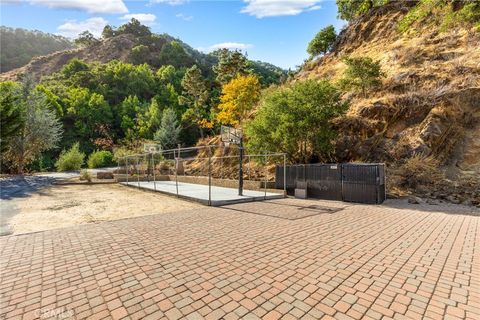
x=68 y=205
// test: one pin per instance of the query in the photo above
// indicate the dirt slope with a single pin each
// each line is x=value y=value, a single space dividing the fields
x=428 y=104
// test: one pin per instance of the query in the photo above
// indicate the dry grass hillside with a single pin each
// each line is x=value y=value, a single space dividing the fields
x=118 y=47
x=424 y=120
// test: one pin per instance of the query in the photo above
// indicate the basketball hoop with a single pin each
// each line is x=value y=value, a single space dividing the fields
x=235 y=136
x=152 y=148
x=231 y=135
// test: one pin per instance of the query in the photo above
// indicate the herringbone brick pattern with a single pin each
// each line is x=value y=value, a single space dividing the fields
x=250 y=261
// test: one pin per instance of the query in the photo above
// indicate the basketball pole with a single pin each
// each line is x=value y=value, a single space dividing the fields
x=240 y=169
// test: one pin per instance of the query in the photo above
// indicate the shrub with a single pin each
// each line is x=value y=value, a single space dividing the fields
x=362 y=73
x=70 y=160
x=100 y=159
x=419 y=170
x=85 y=175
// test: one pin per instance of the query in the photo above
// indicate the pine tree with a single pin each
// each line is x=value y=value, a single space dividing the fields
x=167 y=135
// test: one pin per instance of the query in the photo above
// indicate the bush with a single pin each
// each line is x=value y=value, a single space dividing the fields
x=362 y=73
x=71 y=160
x=85 y=175
x=419 y=170
x=100 y=159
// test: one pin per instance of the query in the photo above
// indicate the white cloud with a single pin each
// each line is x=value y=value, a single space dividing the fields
x=274 y=8
x=227 y=45
x=185 y=17
x=91 y=6
x=170 y=2
x=145 y=18
x=72 y=28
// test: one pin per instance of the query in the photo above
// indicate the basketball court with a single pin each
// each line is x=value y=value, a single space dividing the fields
x=213 y=175
x=213 y=195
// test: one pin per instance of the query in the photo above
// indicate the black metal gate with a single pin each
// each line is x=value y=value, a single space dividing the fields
x=352 y=182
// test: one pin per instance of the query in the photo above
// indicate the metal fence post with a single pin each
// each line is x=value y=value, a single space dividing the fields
x=126 y=167
x=265 y=182
x=284 y=175
x=138 y=175
x=176 y=170
x=153 y=168
x=209 y=177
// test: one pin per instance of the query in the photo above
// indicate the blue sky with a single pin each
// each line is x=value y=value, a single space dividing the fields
x=275 y=31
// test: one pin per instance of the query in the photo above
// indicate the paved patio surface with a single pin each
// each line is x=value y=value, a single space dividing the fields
x=287 y=259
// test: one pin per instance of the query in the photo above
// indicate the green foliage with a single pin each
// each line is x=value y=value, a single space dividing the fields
x=41 y=130
x=19 y=46
x=350 y=9
x=230 y=64
x=88 y=112
x=135 y=28
x=168 y=133
x=138 y=54
x=322 y=42
x=267 y=73
x=195 y=97
x=85 y=39
x=42 y=163
x=295 y=119
x=100 y=159
x=108 y=32
x=450 y=12
x=101 y=105
x=130 y=109
x=71 y=160
x=11 y=114
x=174 y=54
x=362 y=73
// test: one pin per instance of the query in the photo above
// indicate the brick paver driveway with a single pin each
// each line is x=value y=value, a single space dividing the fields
x=286 y=259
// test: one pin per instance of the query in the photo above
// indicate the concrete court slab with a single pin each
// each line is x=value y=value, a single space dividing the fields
x=199 y=193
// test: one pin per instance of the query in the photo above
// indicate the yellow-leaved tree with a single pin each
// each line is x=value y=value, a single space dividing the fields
x=237 y=99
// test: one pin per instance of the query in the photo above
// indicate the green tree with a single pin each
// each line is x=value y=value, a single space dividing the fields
x=350 y=9
x=173 y=53
x=132 y=115
x=135 y=28
x=322 y=42
x=362 y=73
x=11 y=114
x=195 y=97
x=42 y=130
x=230 y=64
x=295 y=119
x=139 y=54
x=168 y=133
x=85 y=39
x=108 y=32
x=74 y=66
x=89 y=112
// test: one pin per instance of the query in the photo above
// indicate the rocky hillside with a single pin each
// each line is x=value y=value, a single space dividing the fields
x=427 y=110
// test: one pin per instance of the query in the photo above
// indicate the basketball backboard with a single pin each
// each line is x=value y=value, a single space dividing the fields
x=151 y=148
x=231 y=135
